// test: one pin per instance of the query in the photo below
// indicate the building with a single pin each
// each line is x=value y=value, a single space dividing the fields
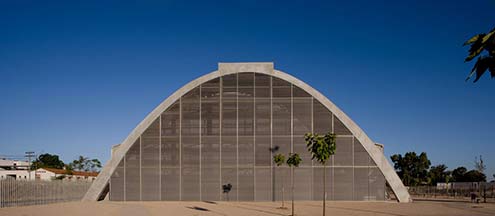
x=6 y=164
x=15 y=169
x=16 y=174
x=470 y=186
x=48 y=174
x=220 y=128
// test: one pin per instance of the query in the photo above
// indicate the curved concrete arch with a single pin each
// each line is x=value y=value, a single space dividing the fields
x=97 y=189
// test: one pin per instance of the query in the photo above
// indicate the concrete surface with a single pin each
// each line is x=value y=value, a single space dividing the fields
x=252 y=208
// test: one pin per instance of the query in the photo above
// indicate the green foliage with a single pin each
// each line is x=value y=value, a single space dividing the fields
x=47 y=161
x=479 y=43
x=85 y=164
x=412 y=168
x=458 y=174
x=439 y=173
x=294 y=160
x=226 y=188
x=474 y=176
x=321 y=147
x=279 y=159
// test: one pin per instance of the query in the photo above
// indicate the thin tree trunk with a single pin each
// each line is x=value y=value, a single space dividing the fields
x=324 y=187
x=292 y=182
x=283 y=194
x=273 y=184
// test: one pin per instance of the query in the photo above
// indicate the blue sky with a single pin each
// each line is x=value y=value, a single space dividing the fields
x=76 y=78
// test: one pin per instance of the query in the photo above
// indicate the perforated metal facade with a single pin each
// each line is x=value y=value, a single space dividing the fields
x=221 y=132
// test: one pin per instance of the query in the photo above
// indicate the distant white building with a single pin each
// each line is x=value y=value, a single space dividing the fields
x=16 y=174
x=48 y=174
x=15 y=169
x=13 y=164
x=464 y=185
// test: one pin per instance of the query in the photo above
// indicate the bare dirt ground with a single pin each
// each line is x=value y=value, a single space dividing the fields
x=252 y=208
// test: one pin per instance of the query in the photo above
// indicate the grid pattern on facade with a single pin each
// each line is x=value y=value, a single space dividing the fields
x=221 y=132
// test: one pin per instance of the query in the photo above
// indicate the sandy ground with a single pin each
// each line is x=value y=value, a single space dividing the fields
x=252 y=208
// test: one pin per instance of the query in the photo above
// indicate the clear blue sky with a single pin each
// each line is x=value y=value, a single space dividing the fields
x=77 y=78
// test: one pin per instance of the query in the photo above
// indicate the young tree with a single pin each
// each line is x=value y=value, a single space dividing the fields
x=293 y=161
x=273 y=150
x=321 y=148
x=226 y=189
x=279 y=159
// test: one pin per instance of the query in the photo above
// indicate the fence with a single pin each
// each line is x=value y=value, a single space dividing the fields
x=462 y=193
x=20 y=193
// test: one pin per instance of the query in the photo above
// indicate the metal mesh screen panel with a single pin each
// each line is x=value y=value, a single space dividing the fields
x=343 y=183
x=245 y=79
x=263 y=154
x=190 y=122
x=229 y=176
x=210 y=141
x=171 y=183
x=210 y=168
x=322 y=117
x=150 y=161
x=246 y=117
x=361 y=156
x=246 y=151
x=302 y=123
x=318 y=183
x=170 y=140
x=340 y=128
x=282 y=181
x=229 y=80
x=190 y=183
x=133 y=173
x=277 y=82
x=299 y=93
x=343 y=153
x=281 y=116
x=246 y=184
x=283 y=142
x=361 y=183
x=210 y=183
x=117 y=183
x=263 y=189
x=303 y=183
x=376 y=185
x=263 y=132
x=215 y=83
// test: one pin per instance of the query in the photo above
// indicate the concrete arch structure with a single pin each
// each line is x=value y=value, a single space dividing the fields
x=99 y=188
